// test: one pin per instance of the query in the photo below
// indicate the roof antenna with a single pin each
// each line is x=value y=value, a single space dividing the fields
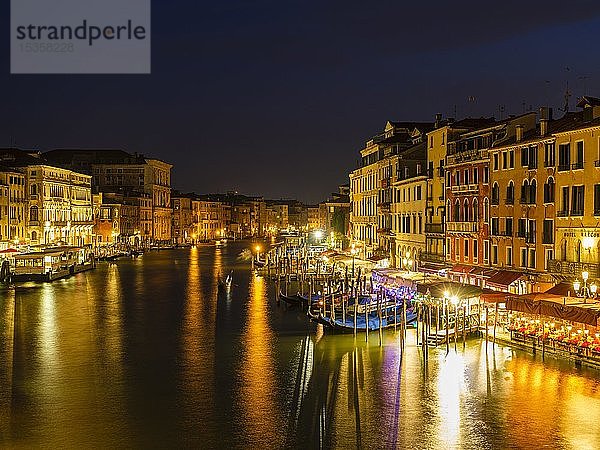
x=567 y=94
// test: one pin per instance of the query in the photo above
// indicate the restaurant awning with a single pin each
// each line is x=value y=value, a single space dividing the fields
x=554 y=306
x=459 y=268
x=431 y=267
x=504 y=278
x=438 y=289
x=564 y=289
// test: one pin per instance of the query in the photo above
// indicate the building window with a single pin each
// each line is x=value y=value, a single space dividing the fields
x=509 y=256
x=486 y=251
x=475 y=175
x=524 y=257
x=521 y=227
x=533 y=157
x=549 y=155
x=597 y=199
x=548 y=234
x=475 y=250
x=448 y=247
x=524 y=156
x=486 y=210
x=495 y=193
x=495 y=162
x=466 y=177
x=495 y=221
x=467 y=242
x=509 y=226
x=549 y=257
x=504 y=160
x=564 y=157
x=486 y=174
x=564 y=202
x=511 y=159
x=532 y=262
x=533 y=192
x=577 y=194
x=578 y=155
x=494 y=254
x=549 y=190
x=510 y=193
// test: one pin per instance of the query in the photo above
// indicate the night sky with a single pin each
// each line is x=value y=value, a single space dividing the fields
x=276 y=98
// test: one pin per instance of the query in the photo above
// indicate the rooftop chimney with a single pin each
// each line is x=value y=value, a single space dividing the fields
x=519 y=130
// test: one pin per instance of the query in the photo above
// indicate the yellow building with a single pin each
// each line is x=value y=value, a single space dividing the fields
x=434 y=256
x=408 y=222
x=371 y=185
x=522 y=215
x=577 y=177
x=210 y=218
x=13 y=206
x=60 y=206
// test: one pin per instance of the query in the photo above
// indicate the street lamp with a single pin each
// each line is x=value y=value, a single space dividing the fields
x=585 y=290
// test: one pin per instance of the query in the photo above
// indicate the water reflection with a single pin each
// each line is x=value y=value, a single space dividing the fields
x=261 y=419
x=147 y=353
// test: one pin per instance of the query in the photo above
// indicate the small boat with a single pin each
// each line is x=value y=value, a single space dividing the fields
x=293 y=300
x=226 y=283
x=372 y=322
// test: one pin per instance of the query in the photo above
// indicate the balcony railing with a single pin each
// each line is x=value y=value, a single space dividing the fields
x=562 y=213
x=462 y=227
x=573 y=269
x=432 y=257
x=577 y=212
x=510 y=200
x=564 y=167
x=547 y=239
x=465 y=189
x=577 y=165
x=434 y=228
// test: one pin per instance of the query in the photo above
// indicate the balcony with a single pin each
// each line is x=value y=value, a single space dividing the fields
x=384 y=207
x=432 y=257
x=547 y=239
x=462 y=227
x=434 y=228
x=577 y=165
x=467 y=155
x=530 y=238
x=465 y=189
x=573 y=269
x=564 y=167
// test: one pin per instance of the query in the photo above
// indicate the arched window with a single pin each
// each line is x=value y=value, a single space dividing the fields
x=495 y=193
x=486 y=210
x=524 y=191
x=549 y=190
x=510 y=193
x=466 y=212
x=475 y=215
x=33 y=214
x=34 y=236
x=533 y=192
x=457 y=211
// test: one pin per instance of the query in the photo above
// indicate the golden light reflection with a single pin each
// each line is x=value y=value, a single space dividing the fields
x=198 y=346
x=450 y=386
x=7 y=337
x=258 y=396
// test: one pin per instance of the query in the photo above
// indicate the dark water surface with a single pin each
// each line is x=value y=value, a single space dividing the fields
x=145 y=353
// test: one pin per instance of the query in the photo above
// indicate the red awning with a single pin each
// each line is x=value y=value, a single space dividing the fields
x=9 y=250
x=564 y=289
x=503 y=278
x=461 y=269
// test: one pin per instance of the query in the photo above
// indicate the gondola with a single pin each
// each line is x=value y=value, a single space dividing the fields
x=225 y=284
x=340 y=326
x=293 y=300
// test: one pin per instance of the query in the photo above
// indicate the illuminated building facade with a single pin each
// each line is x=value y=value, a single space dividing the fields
x=13 y=208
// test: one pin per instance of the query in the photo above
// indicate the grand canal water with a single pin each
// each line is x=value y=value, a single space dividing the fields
x=146 y=353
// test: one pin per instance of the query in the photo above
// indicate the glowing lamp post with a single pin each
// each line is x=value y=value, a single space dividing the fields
x=584 y=289
x=407 y=262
